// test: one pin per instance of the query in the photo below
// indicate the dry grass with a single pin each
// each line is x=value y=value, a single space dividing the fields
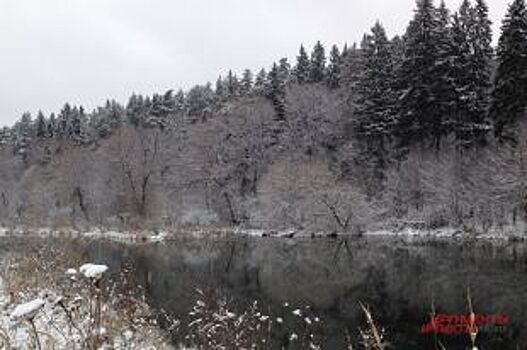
x=79 y=313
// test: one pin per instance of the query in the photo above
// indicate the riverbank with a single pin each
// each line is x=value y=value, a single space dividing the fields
x=510 y=233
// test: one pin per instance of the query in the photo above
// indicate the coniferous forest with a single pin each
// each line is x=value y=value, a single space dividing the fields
x=427 y=128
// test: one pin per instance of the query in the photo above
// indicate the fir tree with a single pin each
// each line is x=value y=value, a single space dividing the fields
x=220 y=89
x=260 y=82
x=375 y=96
x=52 y=126
x=482 y=57
x=443 y=88
x=180 y=100
x=351 y=62
x=277 y=92
x=247 y=82
x=509 y=97
x=418 y=116
x=333 y=76
x=41 y=125
x=284 y=70
x=233 y=85
x=301 y=70
x=23 y=136
x=317 y=64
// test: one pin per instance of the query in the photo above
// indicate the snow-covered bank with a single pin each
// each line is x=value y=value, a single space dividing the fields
x=508 y=233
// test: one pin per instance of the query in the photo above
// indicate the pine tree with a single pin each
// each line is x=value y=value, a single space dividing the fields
x=509 y=97
x=79 y=122
x=277 y=92
x=418 y=116
x=135 y=109
x=64 y=121
x=351 y=63
x=301 y=71
x=443 y=88
x=284 y=70
x=52 y=126
x=233 y=85
x=220 y=89
x=23 y=136
x=247 y=82
x=260 y=82
x=317 y=64
x=181 y=103
x=482 y=57
x=333 y=76
x=41 y=125
x=460 y=120
x=375 y=96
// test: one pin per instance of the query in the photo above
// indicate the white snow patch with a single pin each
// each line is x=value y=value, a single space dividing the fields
x=93 y=271
x=27 y=311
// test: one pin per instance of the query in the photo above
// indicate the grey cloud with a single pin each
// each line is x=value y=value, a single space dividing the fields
x=84 y=51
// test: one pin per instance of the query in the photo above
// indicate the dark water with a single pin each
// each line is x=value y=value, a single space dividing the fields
x=399 y=280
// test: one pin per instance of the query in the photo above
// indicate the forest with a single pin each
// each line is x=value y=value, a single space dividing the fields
x=423 y=129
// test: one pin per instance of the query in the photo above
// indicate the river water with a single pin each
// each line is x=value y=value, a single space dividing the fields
x=398 y=279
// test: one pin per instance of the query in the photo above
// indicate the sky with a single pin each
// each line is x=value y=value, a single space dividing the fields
x=86 y=51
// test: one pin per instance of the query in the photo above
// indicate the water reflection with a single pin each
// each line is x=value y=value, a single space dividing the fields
x=398 y=279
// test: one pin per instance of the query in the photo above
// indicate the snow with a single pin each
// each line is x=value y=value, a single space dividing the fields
x=71 y=272
x=93 y=271
x=27 y=311
x=297 y=312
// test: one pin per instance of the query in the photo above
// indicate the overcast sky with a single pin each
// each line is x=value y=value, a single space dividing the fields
x=85 y=51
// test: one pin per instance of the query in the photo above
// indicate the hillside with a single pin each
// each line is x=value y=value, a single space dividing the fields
x=426 y=129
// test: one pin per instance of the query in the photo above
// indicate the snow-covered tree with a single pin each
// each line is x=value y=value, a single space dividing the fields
x=509 y=97
x=333 y=73
x=277 y=91
x=23 y=136
x=284 y=70
x=420 y=81
x=246 y=83
x=301 y=70
x=375 y=97
x=260 y=82
x=52 y=126
x=220 y=89
x=317 y=65
x=41 y=131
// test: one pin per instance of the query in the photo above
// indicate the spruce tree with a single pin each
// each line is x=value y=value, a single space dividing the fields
x=443 y=88
x=509 y=97
x=460 y=121
x=247 y=82
x=333 y=74
x=233 y=85
x=375 y=96
x=277 y=92
x=301 y=71
x=220 y=90
x=317 y=65
x=41 y=125
x=351 y=62
x=23 y=136
x=52 y=126
x=181 y=103
x=260 y=82
x=482 y=56
x=284 y=70
x=418 y=116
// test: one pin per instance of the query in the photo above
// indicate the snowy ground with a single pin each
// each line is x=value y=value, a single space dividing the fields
x=71 y=316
